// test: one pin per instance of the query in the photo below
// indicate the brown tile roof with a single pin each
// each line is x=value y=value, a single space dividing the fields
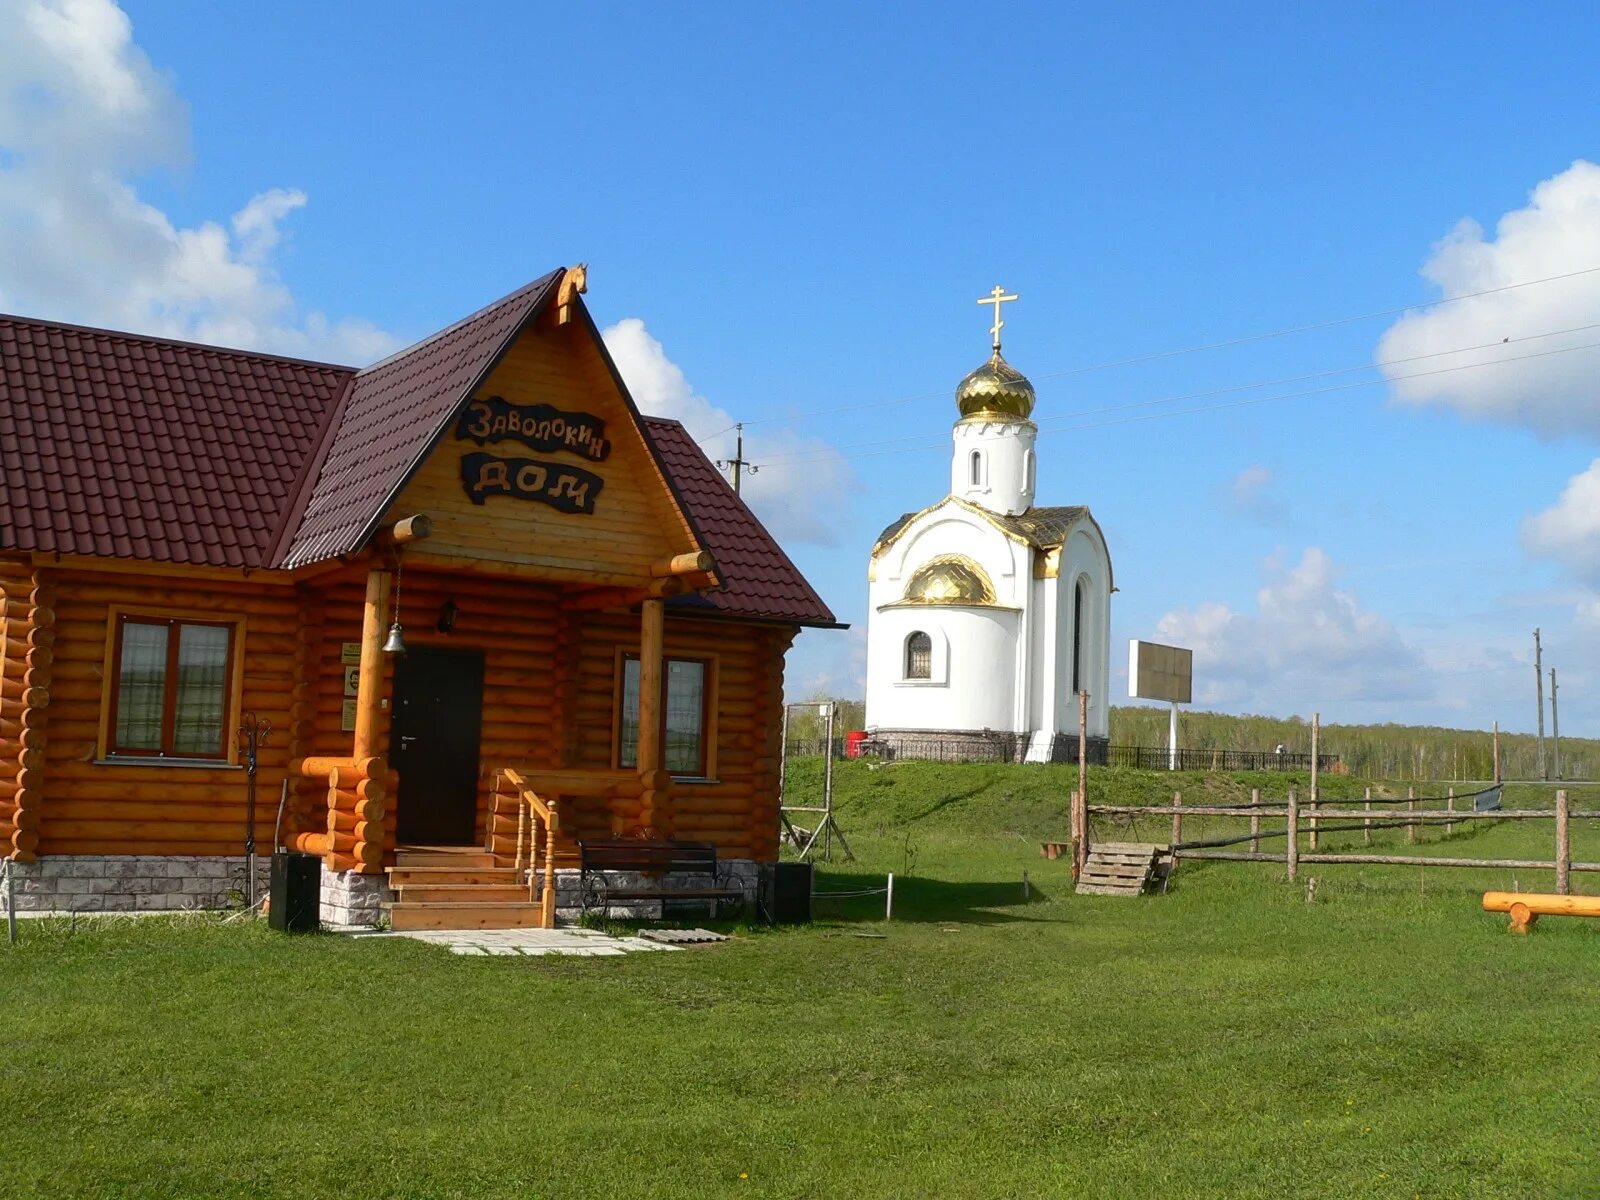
x=759 y=580
x=394 y=411
x=124 y=446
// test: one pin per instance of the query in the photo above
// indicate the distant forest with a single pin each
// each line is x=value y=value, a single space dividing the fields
x=1370 y=751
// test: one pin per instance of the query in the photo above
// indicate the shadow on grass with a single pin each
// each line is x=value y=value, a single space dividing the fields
x=919 y=899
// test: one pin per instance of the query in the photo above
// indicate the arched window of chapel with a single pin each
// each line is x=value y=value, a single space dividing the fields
x=919 y=656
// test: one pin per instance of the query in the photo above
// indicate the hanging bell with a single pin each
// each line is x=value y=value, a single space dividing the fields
x=397 y=642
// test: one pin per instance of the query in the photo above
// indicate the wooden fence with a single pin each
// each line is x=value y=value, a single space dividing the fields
x=1310 y=822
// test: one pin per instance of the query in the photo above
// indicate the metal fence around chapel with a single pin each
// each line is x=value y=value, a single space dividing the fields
x=1011 y=747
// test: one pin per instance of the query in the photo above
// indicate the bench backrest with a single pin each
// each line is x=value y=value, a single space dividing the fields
x=666 y=858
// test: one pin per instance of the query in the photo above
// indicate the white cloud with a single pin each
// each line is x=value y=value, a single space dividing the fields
x=1249 y=494
x=827 y=662
x=800 y=501
x=1557 y=233
x=1308 y=642
x=82 y=115
x=1569 y=530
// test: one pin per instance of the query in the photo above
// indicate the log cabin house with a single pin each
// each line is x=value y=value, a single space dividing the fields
x=197 y=542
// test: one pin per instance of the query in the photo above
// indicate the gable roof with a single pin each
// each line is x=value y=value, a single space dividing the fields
x=126 y=446
x=393 y=413
x=759 y=581
x=1043 y=528
x=119 y=445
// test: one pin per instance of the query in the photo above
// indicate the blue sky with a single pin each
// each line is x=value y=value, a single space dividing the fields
x=789 y=213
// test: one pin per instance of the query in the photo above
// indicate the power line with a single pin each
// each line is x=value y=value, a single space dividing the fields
x=1050 y=422
x=1343 y=387
x=1226 y=343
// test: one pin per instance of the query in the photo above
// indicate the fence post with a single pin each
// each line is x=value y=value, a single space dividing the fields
x=1450 y=806
x=1563 y=846
x=1080 y=845
x=888 y=899
x=1411 y=806
x=1177 y=818
x=1366 y=822
x=1291 y=852
x=1316 y=748
x=1255 y=821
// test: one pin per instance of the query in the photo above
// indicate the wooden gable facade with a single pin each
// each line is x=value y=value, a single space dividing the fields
x=590 y=650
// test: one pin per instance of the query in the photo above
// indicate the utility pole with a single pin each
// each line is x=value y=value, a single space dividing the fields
x=1538 y=686
x=1555 y=725
x=738 y=462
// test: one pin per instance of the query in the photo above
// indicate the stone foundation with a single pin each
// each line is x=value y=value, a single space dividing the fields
x=349 y=899
x=134 y=882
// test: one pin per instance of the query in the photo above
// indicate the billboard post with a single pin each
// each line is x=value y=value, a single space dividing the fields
x=1157 y=672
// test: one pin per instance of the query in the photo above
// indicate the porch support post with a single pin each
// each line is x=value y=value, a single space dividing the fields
x=652 y=635
x=367 y=805
x=369 y=688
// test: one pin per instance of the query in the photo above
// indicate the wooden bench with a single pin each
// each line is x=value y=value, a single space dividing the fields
x=1527 y=907
x=657 y=859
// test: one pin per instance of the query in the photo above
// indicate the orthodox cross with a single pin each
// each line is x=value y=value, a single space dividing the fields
x=996 y=298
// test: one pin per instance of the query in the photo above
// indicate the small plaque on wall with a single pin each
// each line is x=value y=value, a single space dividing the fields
x=347 y=717
x=350 y=653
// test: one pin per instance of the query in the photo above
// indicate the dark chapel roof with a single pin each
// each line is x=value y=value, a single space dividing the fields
x=120 y=445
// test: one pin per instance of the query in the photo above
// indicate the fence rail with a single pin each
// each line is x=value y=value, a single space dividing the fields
x=1304 y=819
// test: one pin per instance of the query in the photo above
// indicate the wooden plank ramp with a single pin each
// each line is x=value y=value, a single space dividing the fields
x=1119 y=868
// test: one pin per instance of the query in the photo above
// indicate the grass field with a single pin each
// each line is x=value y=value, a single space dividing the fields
x=1227 y=1039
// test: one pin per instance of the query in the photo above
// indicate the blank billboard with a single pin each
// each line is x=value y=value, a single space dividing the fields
x=1157 y=672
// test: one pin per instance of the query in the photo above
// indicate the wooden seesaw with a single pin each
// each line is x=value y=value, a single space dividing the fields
x=1527 y=907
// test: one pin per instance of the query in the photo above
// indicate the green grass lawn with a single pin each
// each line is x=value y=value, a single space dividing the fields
x=1227 y=1039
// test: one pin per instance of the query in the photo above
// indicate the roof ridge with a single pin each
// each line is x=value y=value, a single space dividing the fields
x=129 y=335
x=542 y=282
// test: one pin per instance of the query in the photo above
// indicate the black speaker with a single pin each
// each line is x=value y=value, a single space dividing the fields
x=786 y=892
x=296 y=893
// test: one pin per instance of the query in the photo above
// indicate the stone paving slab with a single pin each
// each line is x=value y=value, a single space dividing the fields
x=586 y=943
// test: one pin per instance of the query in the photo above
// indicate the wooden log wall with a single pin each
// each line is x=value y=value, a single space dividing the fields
x=518 y=626
x=136 y=808
x=738 y=813
x=27 y=637
x=550 y=695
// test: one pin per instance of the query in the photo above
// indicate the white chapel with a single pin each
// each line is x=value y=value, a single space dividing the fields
x=988 y=614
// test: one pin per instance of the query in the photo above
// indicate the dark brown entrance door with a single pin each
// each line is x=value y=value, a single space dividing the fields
x=433 y=743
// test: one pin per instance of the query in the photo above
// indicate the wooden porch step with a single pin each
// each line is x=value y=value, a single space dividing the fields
x=443 y=857
x=404 y=916
x=407 y=876
x=462 y=893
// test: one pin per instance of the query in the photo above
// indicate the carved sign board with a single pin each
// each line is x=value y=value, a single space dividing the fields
x=537 y=426
x=569 y=489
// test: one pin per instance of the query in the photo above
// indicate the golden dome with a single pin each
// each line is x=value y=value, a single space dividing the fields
x=953 y=579
x=996 y=389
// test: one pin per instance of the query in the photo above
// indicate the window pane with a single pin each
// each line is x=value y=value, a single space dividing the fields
x=686 y=689
x=919 y=656
x=628 y=725
x=202 y=679
x=141 y=686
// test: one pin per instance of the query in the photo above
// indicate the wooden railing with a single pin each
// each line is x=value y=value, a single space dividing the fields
x=519 y=820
